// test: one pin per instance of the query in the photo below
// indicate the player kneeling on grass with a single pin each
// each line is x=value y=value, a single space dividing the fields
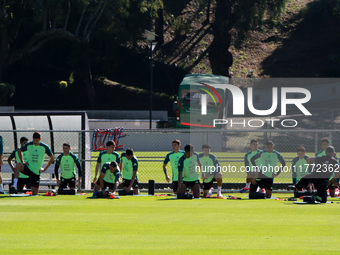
x=266 y=174
x=129 y=168
x=247 y=163
x=324 y=144
x=23 y=179
x=173 y=157
x=67 y=162
x=300 y=166
x=211 y=170
x=320 y=177
x=108 y=178
x=188 y=174
x=33 y=167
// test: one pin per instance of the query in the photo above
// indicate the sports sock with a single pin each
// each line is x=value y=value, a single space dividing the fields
x=247 y=185
x=1 y=187
x=211 y=191
x=15 y=182
x=219 y=188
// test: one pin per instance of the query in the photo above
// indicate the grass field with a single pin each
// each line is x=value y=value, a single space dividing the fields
x=161 y=225
x=150 y=166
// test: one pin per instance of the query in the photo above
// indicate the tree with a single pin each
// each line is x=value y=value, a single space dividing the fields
x=27 y=25
x=241 y=15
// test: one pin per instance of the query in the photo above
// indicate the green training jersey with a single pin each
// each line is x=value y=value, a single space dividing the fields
x=67 y=165
x=36 y=155
x=129 y=166
x=300 y=168
x=323 y=153
x=105 y=157
x=110 y=177
x=210 y=165
x=188 y=167
x=247 y=163
x=1 y=146
x=173 y=158
x=269 y=161
x=14 y=155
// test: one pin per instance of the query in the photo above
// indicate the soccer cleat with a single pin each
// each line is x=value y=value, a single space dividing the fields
x=219 y=194
x=211 y=191
x=13 y=190
x=244 y=190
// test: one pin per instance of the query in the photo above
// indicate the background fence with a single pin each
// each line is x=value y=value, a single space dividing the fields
x=151 y=147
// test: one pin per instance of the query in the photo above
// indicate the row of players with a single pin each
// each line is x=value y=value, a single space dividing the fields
x=30 y=158
x=182 y=166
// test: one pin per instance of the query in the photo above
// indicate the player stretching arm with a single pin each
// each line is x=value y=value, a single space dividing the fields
x=33 y=167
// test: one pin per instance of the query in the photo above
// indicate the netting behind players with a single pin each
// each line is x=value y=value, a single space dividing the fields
x=151 y=147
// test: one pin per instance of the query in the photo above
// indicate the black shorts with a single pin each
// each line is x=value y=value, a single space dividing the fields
x=126 y=183
x=71 y=183
x=22 y=182
x=208 y=185
x=266 y=183
x=106 y=184
x=191 y=184
x=33 y=178
x=175 y=186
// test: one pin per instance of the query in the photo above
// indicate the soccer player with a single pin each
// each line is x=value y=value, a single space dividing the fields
x=212 y=171
x=188 y=176
x=324 y=144
x=67 y=162
x=106 y=156
x=248 y=165
x=325 y=166
x=109 y=177
x=265 y=178
x=300 y=166
x=23 y=179
x=129 y=168
x=33 y=167
x=1 y=163
x=173 y=157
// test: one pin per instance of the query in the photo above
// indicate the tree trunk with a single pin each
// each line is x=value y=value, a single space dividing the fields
x=219 y=56
x=159 y=27
x=87 y=77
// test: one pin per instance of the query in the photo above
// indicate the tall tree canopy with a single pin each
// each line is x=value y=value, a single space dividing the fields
x=27 y=25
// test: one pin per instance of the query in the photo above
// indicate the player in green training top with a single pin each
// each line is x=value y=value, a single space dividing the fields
x=188 y=174
x=268 y=169
x=109 y=177
x=1 y=163
x=23 y=179
x=248 y=165
x=300 y=167
x=173 y=157
x=324 y=144
x=67 y=162
x=106 y=156
x=211 y=169
x=33 y=167
x=129 y=168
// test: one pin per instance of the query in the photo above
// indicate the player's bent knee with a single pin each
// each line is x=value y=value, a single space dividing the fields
x=218 y=176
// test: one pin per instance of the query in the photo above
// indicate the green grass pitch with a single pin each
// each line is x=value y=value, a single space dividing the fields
x=161 y=225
